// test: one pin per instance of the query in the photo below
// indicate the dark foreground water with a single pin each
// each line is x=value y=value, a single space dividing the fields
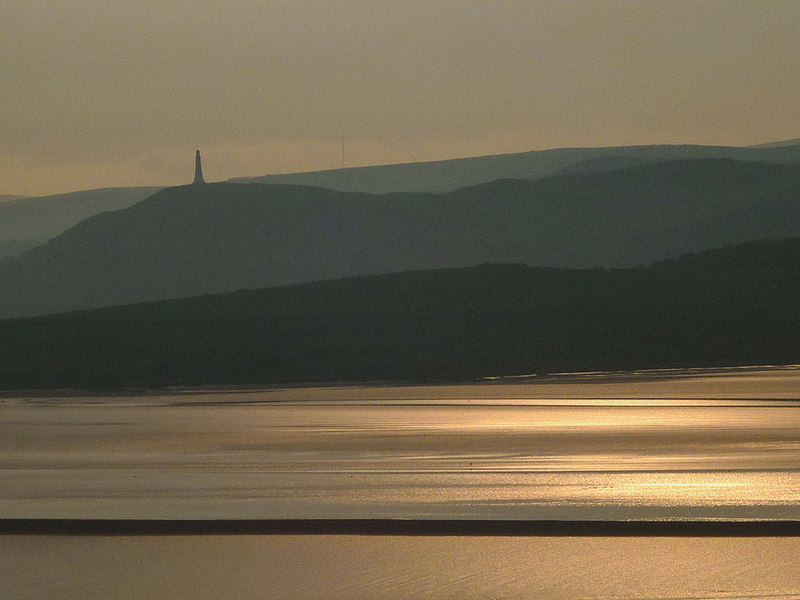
x=710 y=446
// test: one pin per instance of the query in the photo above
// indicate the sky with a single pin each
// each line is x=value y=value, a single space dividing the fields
x=97 y=94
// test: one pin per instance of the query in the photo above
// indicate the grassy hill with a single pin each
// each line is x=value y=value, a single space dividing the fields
x=223 y=237
x=733 y=306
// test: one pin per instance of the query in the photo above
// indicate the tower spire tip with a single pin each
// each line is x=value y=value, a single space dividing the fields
x=198 y=170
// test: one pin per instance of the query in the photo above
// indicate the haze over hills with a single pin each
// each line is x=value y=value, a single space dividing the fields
x=448 y=175
x=213 y=238
x=725 y=307
x=28 y=222
x=16 y=247
x=792 y=142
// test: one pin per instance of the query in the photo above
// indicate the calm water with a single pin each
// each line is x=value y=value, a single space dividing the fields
x=707 y=446
x=357 y=567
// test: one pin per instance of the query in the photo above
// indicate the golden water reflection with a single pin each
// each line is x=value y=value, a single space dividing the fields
x=483 y=451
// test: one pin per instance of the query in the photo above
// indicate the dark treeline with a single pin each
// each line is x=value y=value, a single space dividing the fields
x=734 y=306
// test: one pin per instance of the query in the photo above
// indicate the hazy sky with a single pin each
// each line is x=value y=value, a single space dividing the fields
x=96 y=93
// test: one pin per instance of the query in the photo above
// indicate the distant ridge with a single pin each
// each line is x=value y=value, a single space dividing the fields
x=17 y=247
x=604 y=163
x=39 y=219
x=221 y=237
x=782 y=144
x=8 y=197
x=724 y=307
x=448 y=175
x=25 y=222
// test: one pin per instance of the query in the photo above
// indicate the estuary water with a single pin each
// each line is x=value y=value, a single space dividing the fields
x=684 y=445
x=710 y=446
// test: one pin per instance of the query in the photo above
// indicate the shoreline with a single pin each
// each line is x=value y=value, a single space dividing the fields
x=582 y=377
x=397 y=527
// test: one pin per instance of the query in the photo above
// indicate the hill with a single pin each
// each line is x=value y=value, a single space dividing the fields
x=17 y=247
x=221 y=237
x=604 y=163
x=733 y=306
x=792 y=142
x=448 y=175
x=29 y=222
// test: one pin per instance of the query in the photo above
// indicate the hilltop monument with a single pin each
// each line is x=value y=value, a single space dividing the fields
x=198 y=170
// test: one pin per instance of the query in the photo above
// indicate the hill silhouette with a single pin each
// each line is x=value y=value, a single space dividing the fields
x=781 y=143
x=32 y=221
x=28 y=222
x=221 y=237
x=604 y=163
x=726 y=307
x=448 y=175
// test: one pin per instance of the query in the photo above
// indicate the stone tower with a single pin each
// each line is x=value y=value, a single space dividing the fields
x=198 y=170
